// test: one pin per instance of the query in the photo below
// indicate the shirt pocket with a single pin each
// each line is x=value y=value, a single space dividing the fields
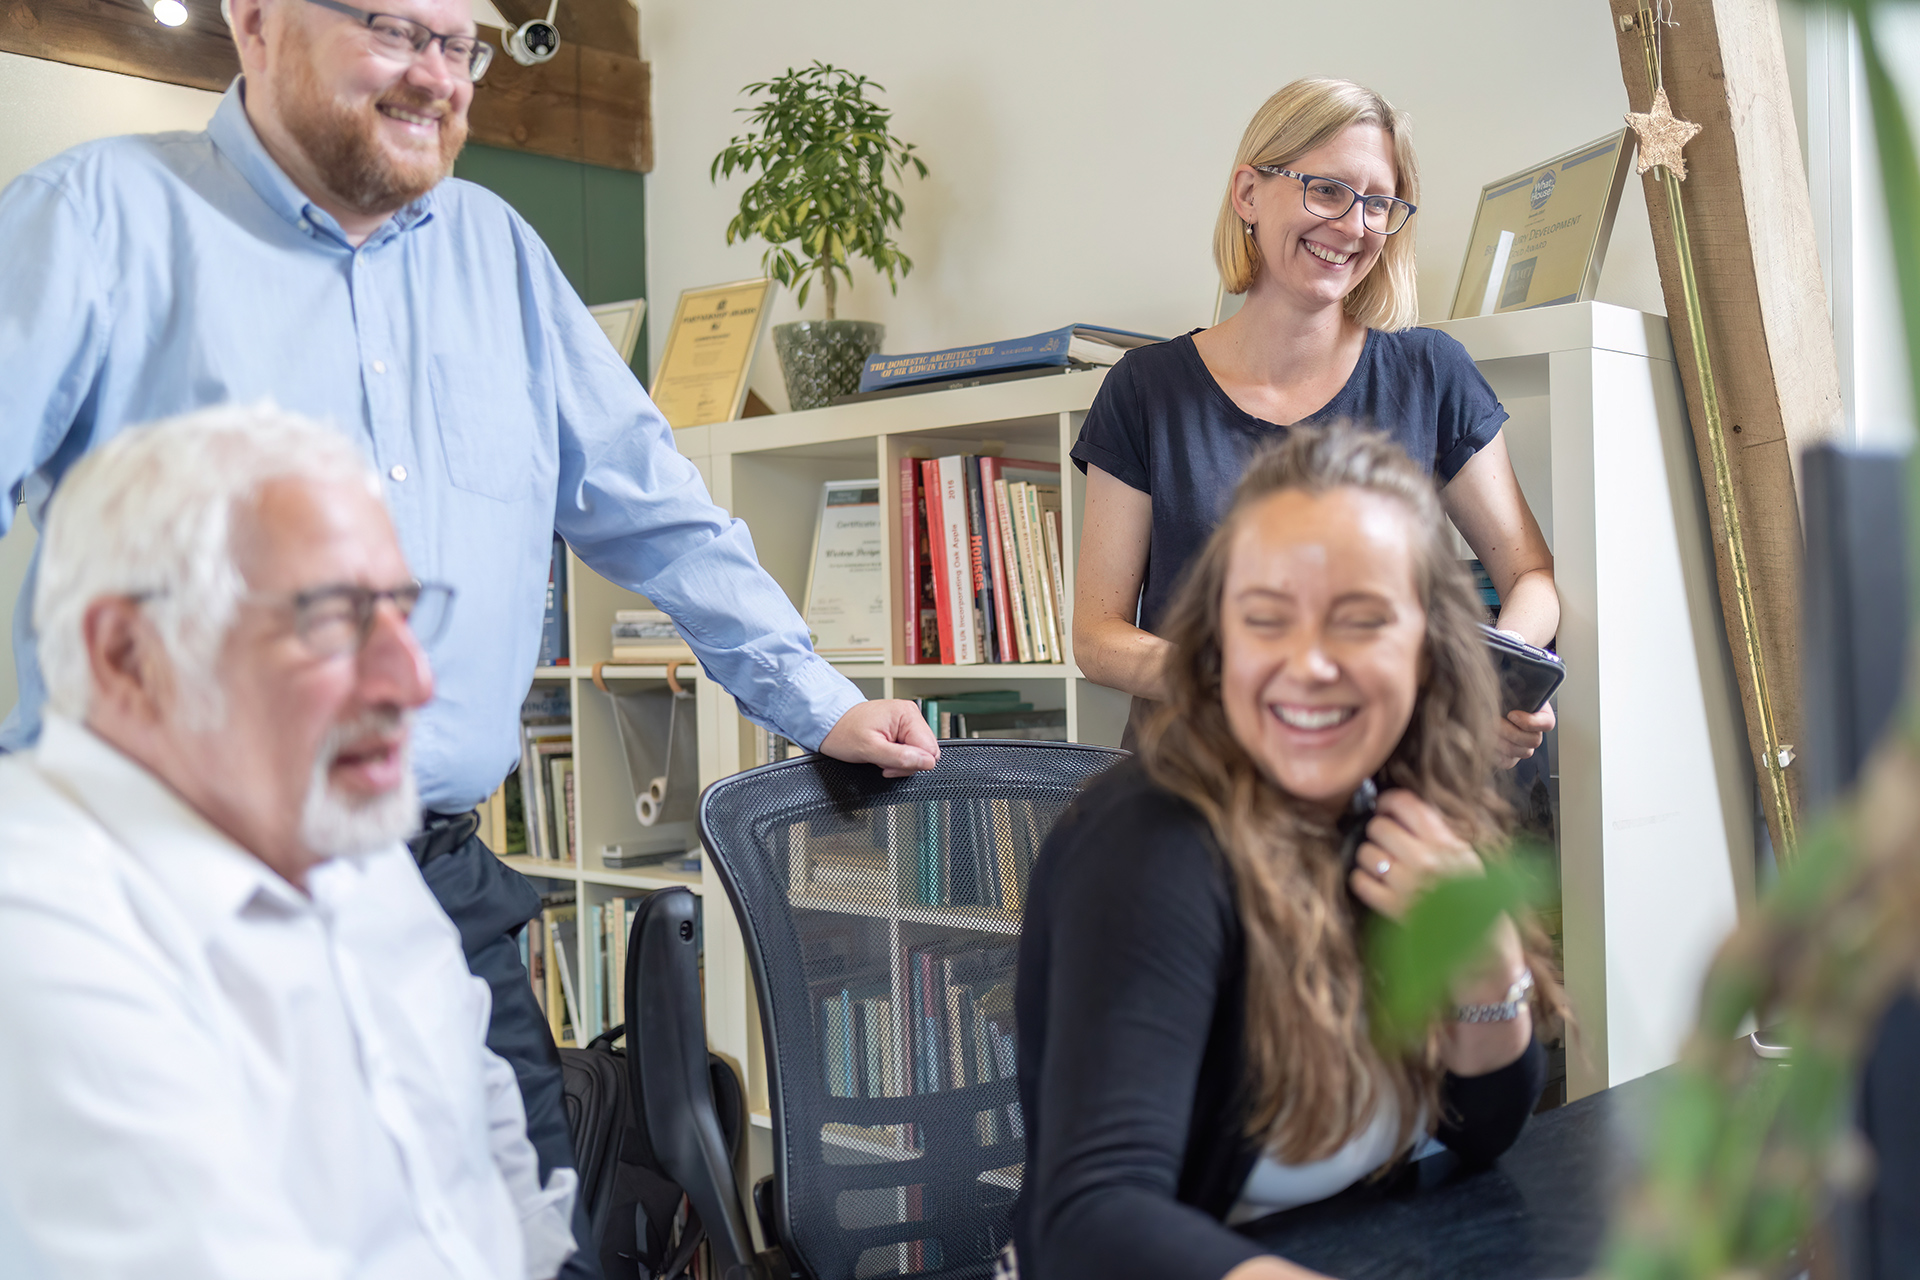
x=476 y=406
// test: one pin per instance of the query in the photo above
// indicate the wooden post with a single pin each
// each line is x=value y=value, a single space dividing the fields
x=1769 y=337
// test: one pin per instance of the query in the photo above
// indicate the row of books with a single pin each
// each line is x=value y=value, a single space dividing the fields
x=973 y=851
x=546 y=774
x=991 y=713
x=939 y=1020
x=981 y=567
x=550 y=950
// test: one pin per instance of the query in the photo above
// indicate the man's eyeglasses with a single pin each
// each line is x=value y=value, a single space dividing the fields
x=331 y=621
x=403 y=37
x=1330 y=198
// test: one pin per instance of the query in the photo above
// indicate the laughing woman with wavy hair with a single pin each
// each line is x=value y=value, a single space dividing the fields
x=1192 y=997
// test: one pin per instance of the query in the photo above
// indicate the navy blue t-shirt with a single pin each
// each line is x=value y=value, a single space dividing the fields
x=1162 y=425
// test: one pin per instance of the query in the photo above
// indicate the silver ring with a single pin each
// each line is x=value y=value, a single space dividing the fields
x=1381 y=867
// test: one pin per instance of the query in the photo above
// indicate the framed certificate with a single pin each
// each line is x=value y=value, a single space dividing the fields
x=620 y=321
x=846 y=587
x=703 y=375
x=1541 y=234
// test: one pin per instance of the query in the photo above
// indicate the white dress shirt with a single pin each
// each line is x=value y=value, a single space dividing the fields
x=206 y=1074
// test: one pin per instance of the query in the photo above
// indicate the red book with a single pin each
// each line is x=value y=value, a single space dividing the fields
x=997 y=562
x=942 y=587
x=909 y=561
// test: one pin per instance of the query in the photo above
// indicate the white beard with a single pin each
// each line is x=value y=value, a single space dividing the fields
x=335 y=826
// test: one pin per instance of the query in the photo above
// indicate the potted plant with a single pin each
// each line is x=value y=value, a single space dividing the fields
x=824 y=151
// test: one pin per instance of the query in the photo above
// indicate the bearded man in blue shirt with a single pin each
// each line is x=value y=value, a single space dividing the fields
x=310 y=248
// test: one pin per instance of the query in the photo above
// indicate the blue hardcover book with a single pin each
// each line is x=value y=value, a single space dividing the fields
x=553 y=627
x=1087 y=343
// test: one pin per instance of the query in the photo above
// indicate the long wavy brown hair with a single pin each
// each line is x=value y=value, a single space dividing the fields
x=1315 y=1077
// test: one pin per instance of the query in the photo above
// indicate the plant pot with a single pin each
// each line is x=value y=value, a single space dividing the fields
x=822 y=359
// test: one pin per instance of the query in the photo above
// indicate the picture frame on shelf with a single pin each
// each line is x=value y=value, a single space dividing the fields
x=702 y=377
x=620 y=321
x=1540 y=234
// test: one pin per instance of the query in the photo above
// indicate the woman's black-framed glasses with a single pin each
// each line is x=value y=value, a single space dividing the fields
x=334 y=620
x=1330 y=198
x=405 y=37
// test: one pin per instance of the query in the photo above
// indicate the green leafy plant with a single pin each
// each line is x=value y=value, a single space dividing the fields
x=1746 y=1153
x=824 y=151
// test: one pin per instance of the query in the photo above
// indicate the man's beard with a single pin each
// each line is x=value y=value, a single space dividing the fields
x=341 y=143
x=334 y=825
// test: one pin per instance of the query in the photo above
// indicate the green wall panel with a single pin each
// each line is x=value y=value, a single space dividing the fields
x=593 y=220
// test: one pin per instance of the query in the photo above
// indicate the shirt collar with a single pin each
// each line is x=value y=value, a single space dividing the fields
x=234 y=136
x=209 y=878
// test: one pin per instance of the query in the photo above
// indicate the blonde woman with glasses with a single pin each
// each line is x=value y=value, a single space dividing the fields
x=1317 y=230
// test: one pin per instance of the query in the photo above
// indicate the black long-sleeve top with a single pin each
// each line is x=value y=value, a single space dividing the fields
x=1131 y=1005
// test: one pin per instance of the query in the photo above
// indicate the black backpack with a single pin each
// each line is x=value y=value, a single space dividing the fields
x=643 y=1224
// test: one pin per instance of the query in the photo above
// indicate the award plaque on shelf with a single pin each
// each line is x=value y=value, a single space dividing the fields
x=846 y=585
x=1540 y=235
x=703 y=374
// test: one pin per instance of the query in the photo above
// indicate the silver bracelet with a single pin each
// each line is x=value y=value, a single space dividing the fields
x=1506 y=1011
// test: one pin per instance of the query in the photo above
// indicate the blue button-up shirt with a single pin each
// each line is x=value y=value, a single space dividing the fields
x=147 y=276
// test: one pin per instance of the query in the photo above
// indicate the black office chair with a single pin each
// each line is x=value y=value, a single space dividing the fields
x=881 y=918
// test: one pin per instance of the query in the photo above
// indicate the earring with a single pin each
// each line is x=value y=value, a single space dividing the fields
x=1249 y=228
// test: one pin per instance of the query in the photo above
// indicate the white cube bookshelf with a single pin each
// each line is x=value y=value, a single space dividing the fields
x=1656 y=801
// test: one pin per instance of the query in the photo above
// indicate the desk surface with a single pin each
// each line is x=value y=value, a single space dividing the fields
x=1538 y=1214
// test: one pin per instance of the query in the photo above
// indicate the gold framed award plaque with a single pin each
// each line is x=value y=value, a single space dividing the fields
x=1540 y=235
x=703 y=373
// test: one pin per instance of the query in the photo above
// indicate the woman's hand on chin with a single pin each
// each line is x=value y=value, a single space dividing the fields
x=1409 y=845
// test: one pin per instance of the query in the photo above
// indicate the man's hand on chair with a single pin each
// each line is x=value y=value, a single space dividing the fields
x=890 y=733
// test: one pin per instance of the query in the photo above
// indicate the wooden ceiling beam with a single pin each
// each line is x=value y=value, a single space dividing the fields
x=591 y=103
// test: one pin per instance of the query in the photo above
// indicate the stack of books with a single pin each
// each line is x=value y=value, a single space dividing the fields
x=647 y=636
x=982 y=570
x=1081 y=346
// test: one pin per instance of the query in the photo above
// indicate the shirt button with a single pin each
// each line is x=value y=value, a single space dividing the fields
x=305 y=225
x=399 y=472
x=379 y=366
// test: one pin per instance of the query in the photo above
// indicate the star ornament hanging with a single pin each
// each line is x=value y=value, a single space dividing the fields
x=1661 y=136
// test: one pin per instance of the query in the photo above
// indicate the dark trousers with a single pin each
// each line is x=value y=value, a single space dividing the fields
x=490 y=903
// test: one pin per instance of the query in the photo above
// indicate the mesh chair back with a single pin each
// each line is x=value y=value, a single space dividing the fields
x=882 y=918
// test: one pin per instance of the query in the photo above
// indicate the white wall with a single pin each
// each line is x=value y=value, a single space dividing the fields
x=48 y=107
x=1079 y=150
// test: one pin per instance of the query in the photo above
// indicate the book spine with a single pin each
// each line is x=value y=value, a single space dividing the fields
x=988 y=637
x=953 y=554
x=1010 y=558
x=1029 y=570
x=1059 y=579
x=553 y=624
x=909 y=561
x=942 y=595
x=1038 y=351
x=1036 y=530
x=1005 y=646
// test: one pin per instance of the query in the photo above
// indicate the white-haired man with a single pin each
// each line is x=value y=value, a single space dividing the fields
x=309 y=246
x=241 y=1039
